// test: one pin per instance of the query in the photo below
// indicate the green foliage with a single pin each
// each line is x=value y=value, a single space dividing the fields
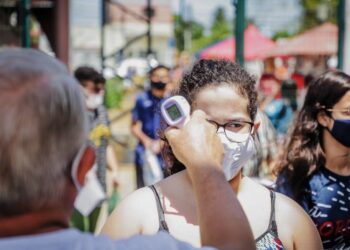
x=281 y=34
x=311 y=10
x=180 y=27
x=220 y=29
x=114 y=92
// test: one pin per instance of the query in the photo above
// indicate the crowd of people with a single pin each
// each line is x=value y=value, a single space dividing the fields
x=55 y=159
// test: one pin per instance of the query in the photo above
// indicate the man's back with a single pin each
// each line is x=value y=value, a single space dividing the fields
x=71 y=239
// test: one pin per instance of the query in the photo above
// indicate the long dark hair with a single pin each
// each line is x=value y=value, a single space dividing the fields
x=304 y=154
x=211 y=73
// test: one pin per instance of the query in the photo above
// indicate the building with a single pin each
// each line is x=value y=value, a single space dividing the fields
x=125 y=22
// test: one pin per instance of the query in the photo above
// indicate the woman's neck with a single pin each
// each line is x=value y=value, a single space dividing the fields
x=337 y=155
x=234 y=183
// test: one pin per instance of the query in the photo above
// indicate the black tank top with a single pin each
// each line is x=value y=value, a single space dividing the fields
x=267 y=241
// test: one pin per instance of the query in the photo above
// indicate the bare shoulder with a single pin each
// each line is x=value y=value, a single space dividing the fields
x=300 y=225
x=136 y=214
x=295 y=228
x=288 y=211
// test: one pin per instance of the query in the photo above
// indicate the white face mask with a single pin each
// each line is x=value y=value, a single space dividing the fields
x=93 y=101
x=91 y=194
x=236 y=155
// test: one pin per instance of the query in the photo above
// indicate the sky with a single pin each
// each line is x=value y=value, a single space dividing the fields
x=269 y=15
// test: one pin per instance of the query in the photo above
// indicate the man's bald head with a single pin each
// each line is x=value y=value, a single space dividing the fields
x=42 y=127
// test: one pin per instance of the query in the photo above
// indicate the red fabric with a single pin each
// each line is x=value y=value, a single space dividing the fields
x=264 y=85
x=255 y=46
x=299 y=79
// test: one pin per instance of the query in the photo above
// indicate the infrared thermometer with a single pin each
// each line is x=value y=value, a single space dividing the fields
x=176 y=111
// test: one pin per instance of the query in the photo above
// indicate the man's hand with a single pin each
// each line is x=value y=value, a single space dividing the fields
x=196 y=144
x=222 y=221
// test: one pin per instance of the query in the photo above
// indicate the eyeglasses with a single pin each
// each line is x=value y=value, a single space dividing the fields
x=346 y=111
x=235 y=131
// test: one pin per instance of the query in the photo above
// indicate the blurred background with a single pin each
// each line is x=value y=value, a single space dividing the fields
x=281 y=42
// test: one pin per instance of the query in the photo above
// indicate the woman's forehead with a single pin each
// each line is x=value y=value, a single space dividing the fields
x=222 y=102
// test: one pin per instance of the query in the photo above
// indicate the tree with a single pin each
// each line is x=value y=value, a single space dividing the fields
x=180 y=26
x=220 y=28
x=281 y=34
x=316 y=12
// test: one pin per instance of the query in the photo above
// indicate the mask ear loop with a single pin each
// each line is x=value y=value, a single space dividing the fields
x=75 y=166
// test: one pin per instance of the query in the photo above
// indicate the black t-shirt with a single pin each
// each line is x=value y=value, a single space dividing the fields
x=327 y=200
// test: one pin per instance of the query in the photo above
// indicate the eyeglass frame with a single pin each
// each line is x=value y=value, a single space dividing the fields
x=218 y=126
x=345 y=110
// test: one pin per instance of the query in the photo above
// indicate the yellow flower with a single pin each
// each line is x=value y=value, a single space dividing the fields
x=98 y=132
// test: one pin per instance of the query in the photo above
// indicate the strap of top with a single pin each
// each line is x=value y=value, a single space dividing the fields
x=272 y=222
x=162 y=223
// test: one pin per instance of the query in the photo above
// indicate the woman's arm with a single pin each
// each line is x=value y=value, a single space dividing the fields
x=136 y=214
x=293 y=220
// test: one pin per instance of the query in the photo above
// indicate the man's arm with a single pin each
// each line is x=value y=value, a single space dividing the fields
x=112 y=164
x=222 y=221
x=136 y=130
x=148 y=143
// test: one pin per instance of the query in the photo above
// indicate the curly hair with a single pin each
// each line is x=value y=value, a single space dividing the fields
x=304 y=153
x=207 y=73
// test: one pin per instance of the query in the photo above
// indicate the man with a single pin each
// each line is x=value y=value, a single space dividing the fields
x=44 y=158
x=146 y=120
x=92 y=84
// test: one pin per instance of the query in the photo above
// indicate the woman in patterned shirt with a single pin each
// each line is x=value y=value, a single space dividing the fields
x=315 y=170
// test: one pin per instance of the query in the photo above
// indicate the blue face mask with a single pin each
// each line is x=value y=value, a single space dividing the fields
x=341 y=132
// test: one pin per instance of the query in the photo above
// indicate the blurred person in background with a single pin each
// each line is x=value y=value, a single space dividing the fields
x=92 y=84
x=44 y=160
x=227 y=94
x=260 y=166
x=146 y=120
x=309 y=78
x=277 y=109
x=315 y=168
x=289 y=93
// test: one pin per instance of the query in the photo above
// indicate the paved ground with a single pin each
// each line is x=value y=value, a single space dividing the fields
x=121 y=131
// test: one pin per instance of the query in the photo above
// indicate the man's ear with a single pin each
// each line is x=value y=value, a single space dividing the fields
x=323 y=119
x=86 y=162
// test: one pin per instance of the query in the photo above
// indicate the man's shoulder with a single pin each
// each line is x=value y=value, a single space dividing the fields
x=62 y=239
x=72 y=239
x=159 y=241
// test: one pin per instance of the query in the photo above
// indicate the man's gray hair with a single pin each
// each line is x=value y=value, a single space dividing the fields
x=42 y=127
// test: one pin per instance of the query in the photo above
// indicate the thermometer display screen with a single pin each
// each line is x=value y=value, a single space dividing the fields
x=173 y=112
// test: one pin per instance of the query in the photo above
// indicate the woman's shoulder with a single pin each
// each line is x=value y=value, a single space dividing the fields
x=135 y=214
x=286 y=212
x=286 y=209
x=300 y=226
x=289 y=211
x=145 y=195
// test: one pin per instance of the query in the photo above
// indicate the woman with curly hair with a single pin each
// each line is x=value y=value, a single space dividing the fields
x=227 y=95
x=315 y=168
